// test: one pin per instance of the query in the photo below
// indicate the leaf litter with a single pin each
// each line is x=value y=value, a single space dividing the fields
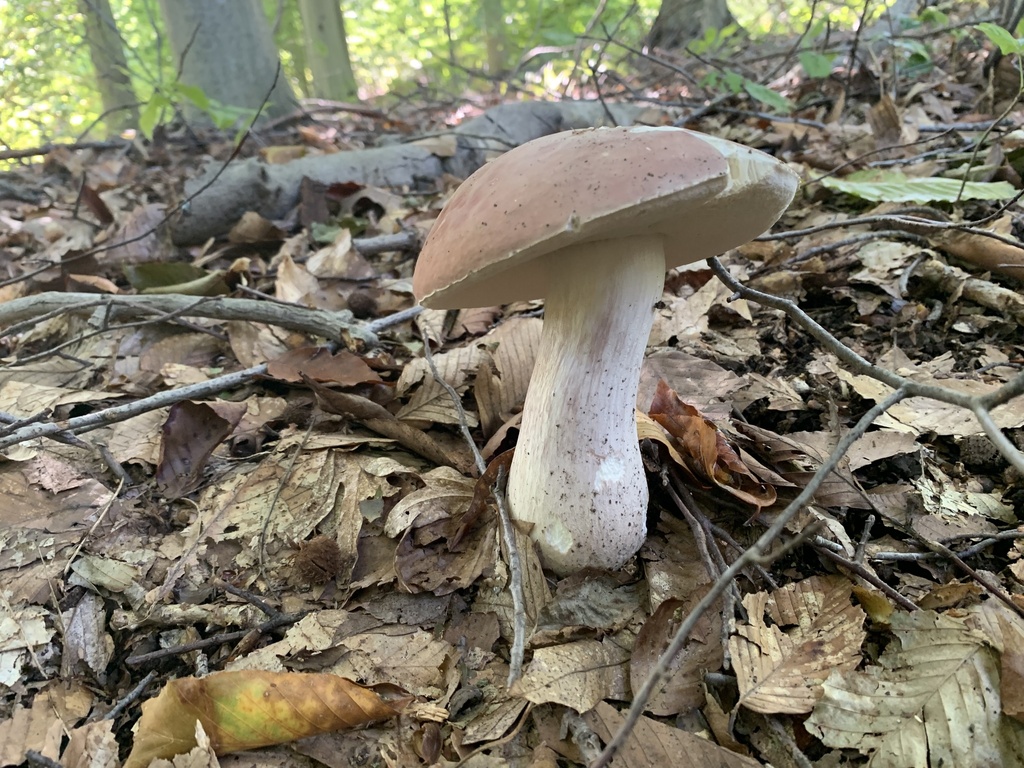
x=323 y=528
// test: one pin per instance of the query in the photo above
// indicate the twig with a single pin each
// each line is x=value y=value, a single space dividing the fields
x=107 y=416
x=980 y=405
x=210 y=642
x=515 y=567
x=131 y=697
x=994 y=589
x=32 y=757
x=318 y=322
x=900 y=221
x=507 y=532
x=866 y=574
x=250 y=598
x=262 y=546
x=755 y=553
x=66 y=438
x=99 y=519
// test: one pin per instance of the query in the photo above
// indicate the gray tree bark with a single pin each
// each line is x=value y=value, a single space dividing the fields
x=682 y=21
x=219 y=196
x=107 y=53
x=225 y=47
x=327 y=50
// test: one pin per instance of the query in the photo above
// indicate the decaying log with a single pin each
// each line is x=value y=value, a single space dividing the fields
x=272 y=190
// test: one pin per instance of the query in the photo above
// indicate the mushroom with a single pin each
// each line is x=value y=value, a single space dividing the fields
x=590 y=221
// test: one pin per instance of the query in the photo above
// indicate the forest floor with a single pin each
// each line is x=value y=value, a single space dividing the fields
x=195 y=487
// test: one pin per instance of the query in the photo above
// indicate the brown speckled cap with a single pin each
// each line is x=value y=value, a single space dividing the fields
x=490 y=243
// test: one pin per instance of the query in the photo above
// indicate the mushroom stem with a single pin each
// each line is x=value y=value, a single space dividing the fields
x=577 y=474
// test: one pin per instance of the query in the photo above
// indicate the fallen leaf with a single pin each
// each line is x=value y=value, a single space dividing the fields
x=932 y=699
x=781 y=671
x=250 y=709
x=683 y=689
x=705 y=454
x=189 y=436
x=578 y=675
x=653 y=743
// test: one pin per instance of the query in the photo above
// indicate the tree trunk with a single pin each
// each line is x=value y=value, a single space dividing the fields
x=106 y=50
x=493 y=18
x=225 y=48
x=327 y=50
x=682 y=21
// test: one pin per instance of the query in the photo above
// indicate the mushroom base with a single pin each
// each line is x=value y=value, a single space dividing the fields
x=577 y=474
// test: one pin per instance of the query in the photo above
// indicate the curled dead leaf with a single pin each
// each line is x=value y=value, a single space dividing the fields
x=702 y=451
x=252 y=708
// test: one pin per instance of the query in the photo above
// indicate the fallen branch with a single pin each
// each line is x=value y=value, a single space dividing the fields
x=334 y=326
x=203 y=389
x=756 y=553
x=980 y=405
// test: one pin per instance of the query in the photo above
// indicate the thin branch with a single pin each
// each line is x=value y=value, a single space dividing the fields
x=980 y=405
x=507 y=531
x=335 y=326
x=754 y=554
x=108 y=416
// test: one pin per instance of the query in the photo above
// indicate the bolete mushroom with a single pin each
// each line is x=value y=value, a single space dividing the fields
x=590 y=221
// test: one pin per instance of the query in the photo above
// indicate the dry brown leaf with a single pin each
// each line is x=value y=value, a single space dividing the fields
x=653 y=744
x=250 y=709
x=920 y=415
x=86 y=641
x=340 y=260
x=578 y=675
x=447 y=494
x=294 y=282
x=28 y=399
x=495 y=597
x=683 y=689
x=255 y=343
x=400 y=655
x=431 y=402
x=1011 y=671
x=475 y=321
x=323 y=366
x=589 y=602
x=932 y=699
x=138 y=438
x=781 y=671
x=234 y=510
x=383 y=422
x=701 y=382
x=189 y=436
x=427 y=561
x=91 y=745
x=502 y=381
x=34 y=728
x=706 y=455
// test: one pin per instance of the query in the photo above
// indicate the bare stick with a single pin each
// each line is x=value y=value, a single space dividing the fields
x=979 y=405
x=318 y=322
x=108 y=416
x=754 y=554
x=507 y=532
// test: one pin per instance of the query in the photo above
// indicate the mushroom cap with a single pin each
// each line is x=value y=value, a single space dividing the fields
x=703 y=194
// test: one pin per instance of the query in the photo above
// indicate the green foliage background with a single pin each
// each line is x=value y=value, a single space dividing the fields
x=46 y=79
x=47 y=89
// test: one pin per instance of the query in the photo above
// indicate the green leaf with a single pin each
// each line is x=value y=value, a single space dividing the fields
x=1002 y=39
x=150 y=115
x=895 y=187
x=195 y=94
x=767 y=96
x=816 y=65
x=733 y=81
